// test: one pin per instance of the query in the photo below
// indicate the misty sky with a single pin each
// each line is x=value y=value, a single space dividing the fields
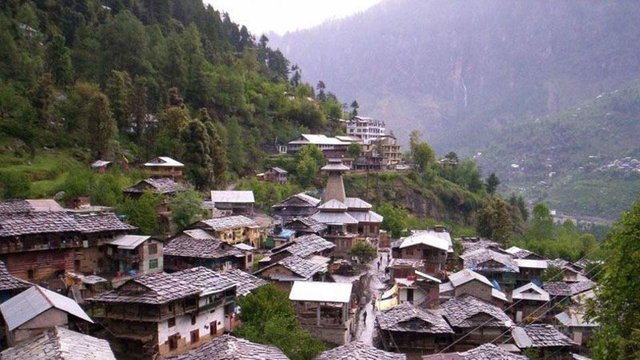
x=281 y=16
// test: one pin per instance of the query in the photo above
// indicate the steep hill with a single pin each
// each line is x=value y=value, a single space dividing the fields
x=462 y=71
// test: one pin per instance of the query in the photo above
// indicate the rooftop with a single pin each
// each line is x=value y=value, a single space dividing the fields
x=60 y=344
x=10 y=282
x=309 y=244
x=359 y=351
x=530 y=291
x=100 y=163
x=408 y=318
x=466 y=275
x=229 y=222
x=45 y=205
x=574 y=317
x=474 y=260
x=317 y=139
x=309 y=224
x=321 y=292
x=468 y=311
x=129 y=242
x=333 y=204
x=245 y=282
x=366 y=216
x=302 y=267
x=185 y=246
x=197 y=234
x=438 y=240
x=163 y=161
x=298 y=200
x=356 y=203
x=207 y=280
x=158 y=185
x=561 y=288
x=101 y=222
x=15 y=206
x=227 y=347
x=482 y=352
x=155 y=288
x=233 y=196
x=33 y=302
x=334 y=218
x=539 y=336
x=531 y=264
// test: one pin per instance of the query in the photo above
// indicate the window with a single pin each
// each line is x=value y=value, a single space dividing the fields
x=195 y=336
x=153 y=263
x=153 y=249
x=193 y=319
x=171 y=322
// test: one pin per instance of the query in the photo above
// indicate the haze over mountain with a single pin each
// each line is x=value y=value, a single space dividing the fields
x=461 y=71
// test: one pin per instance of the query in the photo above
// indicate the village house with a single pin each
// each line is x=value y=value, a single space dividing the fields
x=165 y=167
x=276 y=175
x=408 y=328
x=404 y=268
x=166 y=314
x=81 y=287
x=293 y=268
x=530 y=270
x=563 y=292
x=135 y=255
x=36 y=310
x=331 y=147
x=233 y=230
x=419 y=289
x=484 y=351
x=279 y=236
x=519 y=253
x=101 y=166
x=573 y=323
x=195 y=247
x=475 y=321
x=341 y=227
x=471 y=283
x=233 y=202
x=546 y=339
x=368 y=221
x=227 y=347
x=10 y=285
x=431 y=246
x=366 y=128
x=495 y=265
x=530 y=300
x=245 y=282
x=296 y=206
x=306 y=225
x=358 y=350
x=61 y=344
x=305 y=247
x=572 y=273
x=325 y=309
x=166 y=188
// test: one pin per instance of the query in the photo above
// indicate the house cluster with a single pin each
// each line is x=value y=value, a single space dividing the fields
x=488 y=302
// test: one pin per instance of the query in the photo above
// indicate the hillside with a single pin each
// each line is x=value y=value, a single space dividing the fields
x=130 y=80
x=462 y=71
x=583 y=160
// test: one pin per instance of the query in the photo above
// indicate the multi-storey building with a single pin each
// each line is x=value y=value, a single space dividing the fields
x=366 y=128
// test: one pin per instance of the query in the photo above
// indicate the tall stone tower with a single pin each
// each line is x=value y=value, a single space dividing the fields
x=335 y=186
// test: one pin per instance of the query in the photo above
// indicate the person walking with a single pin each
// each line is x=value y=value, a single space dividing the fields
x=364 y=317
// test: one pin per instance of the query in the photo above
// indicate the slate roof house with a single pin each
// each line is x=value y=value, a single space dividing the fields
x=430 y=246
x=551 y=343
x=470 y=282
x=165 y=167
x=233 y=230
x=529 y=300
x=233 y=202
x=482 y=352
x=37 y=309
x=276 y=175
x=358 y=350
x=245 y=282
x=136 y=254
x=167 y=188
x=60 y=343
x=408 y=328
x=293 y=268
x=227 y=347
x=304 y=246
x=296 y=206
x=10 y=285
x=573 y=323
x=185 y=251
x=494 y=265
x=166 y=314
x=305 y=225
x=478 y=321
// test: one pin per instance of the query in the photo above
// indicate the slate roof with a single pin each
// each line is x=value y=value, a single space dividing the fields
x=15 y=206
x=60 y=344
x=334 y=166
x=574 y=317
x=155 y=288
x=100 y=163
x=245 y=282
x=304 y=268
x=338 y=218
x=207 y=280
x=466 y=275
x=158 y=185
x=530 y=291
x=520 y=253
x=227 y=347
x=309 y=244
x=163 y=161
x=473 y=260
x=198 y=234
x=33 y=302
x=539 y=336
x=229 y=222
x=10 y=282
x=460 y=312
x=561 y=288
x=129 y=242
x=309 y=224
x=185 y=246
x=473 y=244
x=17 y=224
x=45 y=205
x=298 y=200
x=279 y=170
x=356 y=203
x=414 y=263
x=366 y=216
x=408 y=318
x=101 y=222
x=531 y=263
x=333 y=204
x=232 y=196
x=360 y=351
x=482 y=352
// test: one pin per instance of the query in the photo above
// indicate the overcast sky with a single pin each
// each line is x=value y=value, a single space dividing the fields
x=281 y=16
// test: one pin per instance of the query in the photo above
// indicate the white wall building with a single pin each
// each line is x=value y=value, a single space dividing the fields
x=366 y=128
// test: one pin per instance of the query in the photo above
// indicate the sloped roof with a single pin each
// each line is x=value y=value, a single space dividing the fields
x=321 y=291
x=317 y=139
x=279 y=170
x=399 y=262
x=482 y=352
x=474 y=260
x=100 y=163
x=530 y=291
x=155 y=288
x=575 y=317
x=335 y=167
x=157 y=185
x=460 y=312
x=33 y=302
x=366 y=216
x=163 y=161
x=334 y=218
x=333 y=204
x=45 y=205
x=229 y=222
x=309 y=244
x=473 y=244
x=408 y=318
x=298 y=200
x=15 y=206
x=101 y=222
x=519 y=253
x=129 y=242
x=17 y=224
x=466 y=275
x=245 y=282
x=539 y=336
x=185 y=246
x=360 y=351
x=60 y=344
x=198 y=234
x=356 y=203
x=10 y=282
x=233 y=196
x=561 y=288
x=309 y=223
x=438 y=240
x=227 y=347
x=531 y=264
x=207 y=280
x=303 y=268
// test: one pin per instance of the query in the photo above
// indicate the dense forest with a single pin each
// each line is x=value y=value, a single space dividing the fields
x=128 y=80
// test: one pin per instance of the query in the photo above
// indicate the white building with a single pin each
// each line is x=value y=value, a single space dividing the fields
x=366 y=128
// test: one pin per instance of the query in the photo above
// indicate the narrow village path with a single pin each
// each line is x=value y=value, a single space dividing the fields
x=376 y=286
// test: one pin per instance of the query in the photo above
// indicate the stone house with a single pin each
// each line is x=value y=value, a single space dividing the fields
x=530 y=300
x=36 y=310
x=359 y=350
x=420 y=290
x=164 y=167
x=233 y=202
x=276 y=175
x=550 y=343
x=233 y=230
x=166 y=314
x=495 y=265
x=304 y=246
x=430 y=246
x=136 y=254
x=409 y=328
x=293 y=268
x=467 y=282
x=186 y=251
x=325 y=309
x=485 y=351
x=306 y=225
x=227 y=347
x=299 y=205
